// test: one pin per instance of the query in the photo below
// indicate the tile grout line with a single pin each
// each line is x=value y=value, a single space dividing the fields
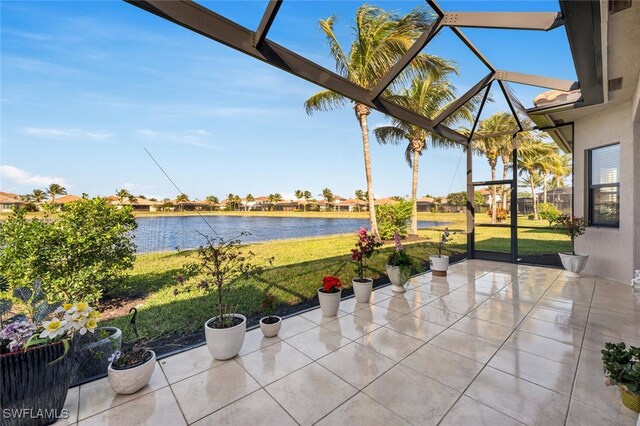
x=492 y=356
x=584 y=335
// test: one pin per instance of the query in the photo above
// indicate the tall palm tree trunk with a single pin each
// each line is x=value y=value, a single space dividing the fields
x=362 y=111
x=414 y=192
x=494 y=204
x=504 y=198
x=533 y=194
x=544 y=187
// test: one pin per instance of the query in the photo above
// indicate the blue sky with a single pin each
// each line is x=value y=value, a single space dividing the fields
x=86 y=86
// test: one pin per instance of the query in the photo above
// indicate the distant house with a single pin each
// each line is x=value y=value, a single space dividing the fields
x=424 y=204
x=61 y=202
x=350 y=205
x=559 y=197
x=139 y=204
x=8 y=201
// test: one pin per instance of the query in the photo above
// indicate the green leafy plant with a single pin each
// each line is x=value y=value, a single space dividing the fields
x=80 y=252
x=572 y=227
x=444 y=239
x=268 y=305
x=622 y=366
x=399 y=256
x=224 y=262
x=548 y=212
x=393 y=218
x=365 y=247
x=35 y=301
x=5 y=303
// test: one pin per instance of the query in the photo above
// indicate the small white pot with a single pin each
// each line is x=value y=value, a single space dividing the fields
x=573 y=264
x=439 y=263
x=329 y=303
x=270 y=330
x=225 y=343
x=131 y=380
x=398 y=278
x=362 y=290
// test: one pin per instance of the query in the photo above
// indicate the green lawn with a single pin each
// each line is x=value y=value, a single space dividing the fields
x=168 y=308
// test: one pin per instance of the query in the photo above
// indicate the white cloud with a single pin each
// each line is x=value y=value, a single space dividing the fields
x=23 y=177
x=69 y=134
x=197 y=137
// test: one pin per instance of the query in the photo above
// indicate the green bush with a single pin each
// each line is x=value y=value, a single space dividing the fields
x=393 y=218
x=549 y=212
x=80 y=253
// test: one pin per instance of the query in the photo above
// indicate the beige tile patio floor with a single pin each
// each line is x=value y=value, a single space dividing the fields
x=493 y=344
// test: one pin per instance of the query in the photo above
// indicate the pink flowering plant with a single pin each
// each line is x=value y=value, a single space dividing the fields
x=365 y=247
x=399 y=256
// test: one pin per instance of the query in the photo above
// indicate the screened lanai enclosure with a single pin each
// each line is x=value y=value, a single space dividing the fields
x=515 y=238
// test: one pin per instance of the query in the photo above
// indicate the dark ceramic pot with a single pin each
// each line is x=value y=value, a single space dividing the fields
x=33 y=391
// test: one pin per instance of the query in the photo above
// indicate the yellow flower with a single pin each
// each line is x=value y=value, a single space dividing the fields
x=91 y=324
x=95 y=314
x=81 y=306
x=52 y=328
x=67 y=306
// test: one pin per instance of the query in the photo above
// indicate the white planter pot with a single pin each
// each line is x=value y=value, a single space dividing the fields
x=439 y=263
x=362 y=290
x=329 y=303
x=133 y=379
x=573 y=264
x=225 y=343
x=270 y=330
x=398 y=277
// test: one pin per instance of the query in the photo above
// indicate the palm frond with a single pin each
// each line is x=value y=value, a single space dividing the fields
x=390 y=135
x=342 y=63
x=325 y=100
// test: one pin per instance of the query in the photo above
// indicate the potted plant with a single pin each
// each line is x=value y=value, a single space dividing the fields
x=34 y=371
x=131 y=367
x=91 y=354
x=224 y=262
x=329 y=296
x=398 y=266
x=573 y=227
x=365 y=247
x=440 y=264
x=622 y=368
x=269 y=324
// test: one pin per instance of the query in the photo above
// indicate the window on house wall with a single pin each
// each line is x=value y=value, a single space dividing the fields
x=604 y=186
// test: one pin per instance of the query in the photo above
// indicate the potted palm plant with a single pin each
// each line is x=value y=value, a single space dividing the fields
x=224 y=262
x=365 y=247
x=132 y=366
x=329 y=296
x=622 y=368
x=269 y=324
x=398 y=266
x=573 y=227
x=34 y=368
x=440 y=263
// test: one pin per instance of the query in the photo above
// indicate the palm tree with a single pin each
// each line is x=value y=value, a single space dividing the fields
x=552 y=164
x=307 y=197
x=360 y=196
x=181 y=199
x=380 y=38
x=212 y=200
x=38 y=196
x=55 y=189
x=122 y=194
x=493 y=147
x=327 y=194
x=427 y=96
x=249 y=198
x=299 y=194
x=531 y=158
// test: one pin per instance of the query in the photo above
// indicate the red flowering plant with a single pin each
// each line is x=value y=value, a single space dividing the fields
x=365 y=247
x=331 y=284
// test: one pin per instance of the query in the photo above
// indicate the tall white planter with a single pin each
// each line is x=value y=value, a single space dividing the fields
x=225 y=343
x=362 y=290
x=131 y=380
x=329 y=303
x=398 y=278
x=439 y=265
x=573 y=263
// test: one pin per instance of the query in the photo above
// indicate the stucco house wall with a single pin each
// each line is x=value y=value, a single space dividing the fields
x=613 y=252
